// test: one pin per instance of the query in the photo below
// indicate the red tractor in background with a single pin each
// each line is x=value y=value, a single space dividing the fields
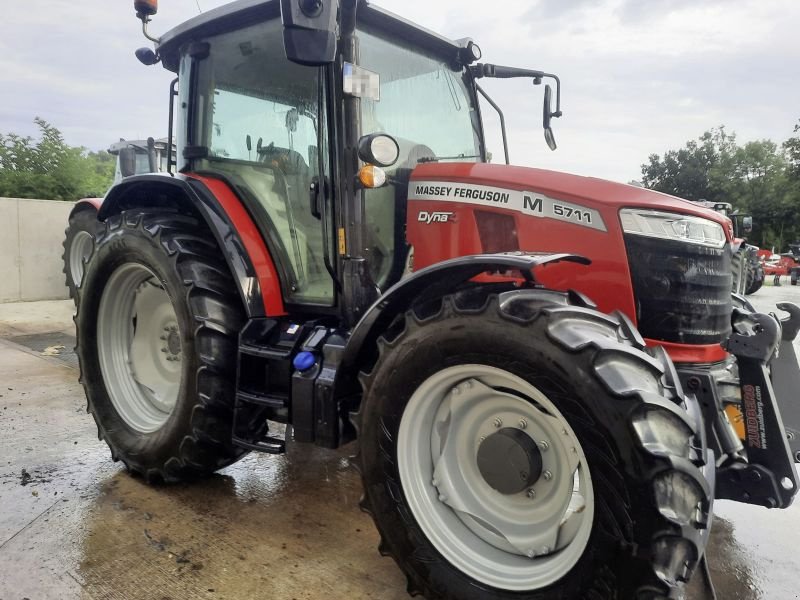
x=133 y=158
x=747 y=267
x=779 y=265
x=535 y=366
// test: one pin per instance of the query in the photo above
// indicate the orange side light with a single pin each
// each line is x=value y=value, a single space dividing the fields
x=371 y=176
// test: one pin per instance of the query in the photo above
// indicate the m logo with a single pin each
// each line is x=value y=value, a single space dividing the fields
x=434 y=217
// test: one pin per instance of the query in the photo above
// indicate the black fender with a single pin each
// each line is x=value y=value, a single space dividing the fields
x=427 y=284
x=186 y=194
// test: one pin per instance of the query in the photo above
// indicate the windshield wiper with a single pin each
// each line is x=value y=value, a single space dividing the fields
x=430 y=159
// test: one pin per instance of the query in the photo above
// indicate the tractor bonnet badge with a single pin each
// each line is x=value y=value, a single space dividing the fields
x=532 y=204
x=435 y=217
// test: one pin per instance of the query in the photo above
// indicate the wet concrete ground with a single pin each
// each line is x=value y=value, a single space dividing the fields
x=73 y=524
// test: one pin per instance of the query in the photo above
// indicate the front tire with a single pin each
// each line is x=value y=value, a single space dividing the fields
x=450 y=378
x=754 y=285
x=157 y=336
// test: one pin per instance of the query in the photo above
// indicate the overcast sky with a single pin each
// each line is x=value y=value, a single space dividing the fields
x=639 y=76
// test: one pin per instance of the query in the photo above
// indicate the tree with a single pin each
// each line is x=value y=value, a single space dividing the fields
x=50 y=169
x=760 y=172
x=760 y=178
x=792 y=149
x=691 y=172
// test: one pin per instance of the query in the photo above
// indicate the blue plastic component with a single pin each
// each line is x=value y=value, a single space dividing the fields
x=304 y=361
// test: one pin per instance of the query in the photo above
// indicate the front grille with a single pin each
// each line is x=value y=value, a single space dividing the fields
x=682 y=290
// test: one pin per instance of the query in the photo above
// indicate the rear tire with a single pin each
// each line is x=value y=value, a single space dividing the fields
x=624 y=409
x=79 y=239
x=161 y=384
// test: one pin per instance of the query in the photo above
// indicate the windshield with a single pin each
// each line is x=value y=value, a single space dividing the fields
x=423 y=104
x=142 y=165
x=427 y=107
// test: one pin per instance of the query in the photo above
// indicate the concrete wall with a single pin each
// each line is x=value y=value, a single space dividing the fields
x=31 y=234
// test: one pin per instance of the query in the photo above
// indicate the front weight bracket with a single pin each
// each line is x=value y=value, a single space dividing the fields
x=786 y=376
x=768 y=477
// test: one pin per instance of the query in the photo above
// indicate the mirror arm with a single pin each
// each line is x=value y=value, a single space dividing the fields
x=173 y=93
x=152 y=161
x=502 y=120
x=555 y=78
x=145 y=21
x=499 y=72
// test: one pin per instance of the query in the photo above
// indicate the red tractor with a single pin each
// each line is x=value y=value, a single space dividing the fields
x=747 y=268
x=535 y=366
x=787 y=263
x=133 y=158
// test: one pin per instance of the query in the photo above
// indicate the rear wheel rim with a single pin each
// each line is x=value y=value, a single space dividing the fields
x=139 y=347
x=520 y=541
x=79 y=252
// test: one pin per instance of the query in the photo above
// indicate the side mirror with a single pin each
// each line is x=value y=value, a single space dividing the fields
x=146 y=56
x=747 y=224
x=127 y=161
x=309 y=31
x=547 y=116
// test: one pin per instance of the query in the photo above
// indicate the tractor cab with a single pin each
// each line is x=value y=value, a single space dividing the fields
x=276 y=123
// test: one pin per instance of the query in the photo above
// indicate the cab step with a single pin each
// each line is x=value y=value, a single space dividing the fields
x=263 y=385
x=266 y=444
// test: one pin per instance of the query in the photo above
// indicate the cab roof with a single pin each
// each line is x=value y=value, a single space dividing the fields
x=242 y=13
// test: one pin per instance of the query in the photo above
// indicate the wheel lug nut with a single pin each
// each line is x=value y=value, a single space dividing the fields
x=498 y=422
x=442 y=498
x=435 y=483
x=523 y=424
x=545 y=550
x=455 y=391
x=547 y=475
x=544 y=446
x=531 y=493
x=531 y=553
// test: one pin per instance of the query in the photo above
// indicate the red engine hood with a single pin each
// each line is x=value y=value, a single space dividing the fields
x=601 y=193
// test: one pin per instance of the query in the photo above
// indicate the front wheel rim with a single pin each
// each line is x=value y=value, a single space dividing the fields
x=518 y=541
x=140 y=347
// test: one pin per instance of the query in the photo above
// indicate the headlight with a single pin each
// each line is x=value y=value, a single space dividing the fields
x=672 y=226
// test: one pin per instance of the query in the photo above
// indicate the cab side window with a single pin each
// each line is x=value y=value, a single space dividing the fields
x=260 y=125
